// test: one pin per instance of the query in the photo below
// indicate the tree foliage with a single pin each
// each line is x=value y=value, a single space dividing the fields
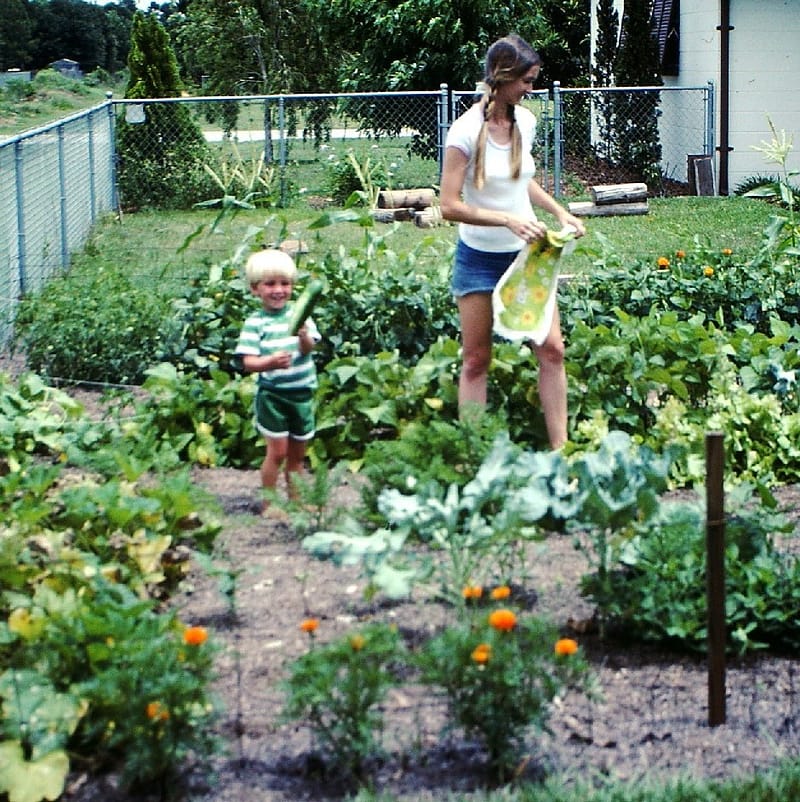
x=636 y=114
x=161 y=158
x=15 y=34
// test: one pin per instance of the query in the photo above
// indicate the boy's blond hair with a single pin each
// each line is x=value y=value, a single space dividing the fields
x=269 y=263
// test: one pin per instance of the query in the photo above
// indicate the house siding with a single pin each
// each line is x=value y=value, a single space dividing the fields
x=764 y=70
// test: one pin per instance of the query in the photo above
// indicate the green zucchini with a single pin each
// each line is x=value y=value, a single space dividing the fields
x=305 y=304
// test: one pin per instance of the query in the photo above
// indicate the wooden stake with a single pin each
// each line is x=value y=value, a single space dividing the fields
x=715 y=576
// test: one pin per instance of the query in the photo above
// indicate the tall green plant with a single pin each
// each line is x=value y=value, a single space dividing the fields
x=161 y=158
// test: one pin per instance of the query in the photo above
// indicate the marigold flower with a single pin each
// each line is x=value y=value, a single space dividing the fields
x=503 y=620
x=482 y=653
x=156 y=710
x=566 y=646
x=727 y=251
x=195 y=636
x=680 y=254
x=501 y=592
x=472 y=592
x=309 y=625
x=357 y=643
x=708 y=270
x=663 y=262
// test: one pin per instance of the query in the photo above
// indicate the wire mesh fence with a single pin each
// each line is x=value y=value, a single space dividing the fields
x=312 y=150
x=55 y=182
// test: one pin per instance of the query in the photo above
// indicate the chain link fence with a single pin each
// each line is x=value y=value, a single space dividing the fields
x=55 y=183
x=173 y=153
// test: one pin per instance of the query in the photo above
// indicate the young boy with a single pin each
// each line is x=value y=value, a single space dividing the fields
x=287 y=378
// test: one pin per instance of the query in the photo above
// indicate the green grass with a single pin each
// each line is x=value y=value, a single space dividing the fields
x=49 y=97
x=148 y=243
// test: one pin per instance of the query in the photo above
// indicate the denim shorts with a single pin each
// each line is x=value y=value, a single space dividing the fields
x=477 y=271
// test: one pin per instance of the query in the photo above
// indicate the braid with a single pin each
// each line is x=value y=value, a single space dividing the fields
x=487 y=101
x=516 y=145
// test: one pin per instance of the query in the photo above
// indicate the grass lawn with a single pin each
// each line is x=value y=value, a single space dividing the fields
x=150 y=243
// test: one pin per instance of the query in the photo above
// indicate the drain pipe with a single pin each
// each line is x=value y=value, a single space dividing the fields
x=724 y=147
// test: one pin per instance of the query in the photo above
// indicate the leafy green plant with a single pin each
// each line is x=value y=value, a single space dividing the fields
x=655 y=586
x=500 y=674
x=102 y=327
x=352 y=178
x=132 y=683
x=336 y=690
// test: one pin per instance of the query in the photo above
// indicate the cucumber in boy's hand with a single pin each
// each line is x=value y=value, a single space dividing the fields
x=305 y=304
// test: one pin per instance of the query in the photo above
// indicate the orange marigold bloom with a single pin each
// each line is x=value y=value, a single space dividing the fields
x=156 y=710
x=504 y=620
x=501 y=592
x=663 y=261
x=566 y=646
x=708 y=270
x=309 y=625
x=727 y=251
x=482 y=653
x=680 y=254
x=472 y=592
x=195 y=636
x=357 y=643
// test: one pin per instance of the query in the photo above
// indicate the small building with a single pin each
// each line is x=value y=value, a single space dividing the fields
x=15 y=75
x=67 y=67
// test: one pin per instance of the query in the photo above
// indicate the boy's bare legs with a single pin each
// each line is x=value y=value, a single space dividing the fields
x=277 y=450
x=295 y=464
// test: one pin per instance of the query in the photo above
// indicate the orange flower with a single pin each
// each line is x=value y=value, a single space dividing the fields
x=155 y=710
x=195 y=636
x=680 y=254
x=663 y=262
x=357 y=643
x=566 y=646
x=309 y=625
x=501 y=592
x=472 y=592
x=726 y=251
x=503 y=620
x=708 y=271
x=482 y=653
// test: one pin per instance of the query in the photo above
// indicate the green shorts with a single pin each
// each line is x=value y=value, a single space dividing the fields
x=285 y=413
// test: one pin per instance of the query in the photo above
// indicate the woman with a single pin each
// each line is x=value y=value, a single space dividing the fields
x=488 y=188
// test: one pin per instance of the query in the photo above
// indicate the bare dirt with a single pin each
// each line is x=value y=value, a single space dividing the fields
x=652 y=719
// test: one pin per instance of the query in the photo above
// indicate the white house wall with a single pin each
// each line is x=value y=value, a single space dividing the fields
x=763 y=79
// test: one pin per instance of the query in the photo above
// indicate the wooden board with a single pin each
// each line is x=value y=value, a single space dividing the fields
x=589 y=209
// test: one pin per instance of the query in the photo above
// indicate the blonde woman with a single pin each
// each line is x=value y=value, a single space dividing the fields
x=488 y=187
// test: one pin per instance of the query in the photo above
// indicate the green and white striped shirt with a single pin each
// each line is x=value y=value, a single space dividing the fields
x=265 y=333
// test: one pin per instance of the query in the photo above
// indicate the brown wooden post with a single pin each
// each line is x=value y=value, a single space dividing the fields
x=715 y=576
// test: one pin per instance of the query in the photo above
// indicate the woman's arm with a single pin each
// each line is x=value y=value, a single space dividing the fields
x=547 y=203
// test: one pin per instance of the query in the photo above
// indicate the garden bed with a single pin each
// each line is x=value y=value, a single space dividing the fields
x=651 y=720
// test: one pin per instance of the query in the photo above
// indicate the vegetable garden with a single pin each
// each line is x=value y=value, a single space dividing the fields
x=109 y=664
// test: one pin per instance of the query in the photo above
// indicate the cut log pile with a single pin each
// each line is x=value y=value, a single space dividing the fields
x=613 y=199
x=408 y=204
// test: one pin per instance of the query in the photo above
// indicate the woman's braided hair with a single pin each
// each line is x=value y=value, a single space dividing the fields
x=506 y=60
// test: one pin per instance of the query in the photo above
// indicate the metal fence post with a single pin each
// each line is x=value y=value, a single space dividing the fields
x=62 y=197
x=20 y=216
x=709 y=143
x=557 y=139
x=282 y=148
x=112 y=134
x=444 y=118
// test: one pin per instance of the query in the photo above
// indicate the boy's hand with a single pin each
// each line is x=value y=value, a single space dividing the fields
x=281 y=359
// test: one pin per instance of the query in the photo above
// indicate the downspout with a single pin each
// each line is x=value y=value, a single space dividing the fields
x=724 y=147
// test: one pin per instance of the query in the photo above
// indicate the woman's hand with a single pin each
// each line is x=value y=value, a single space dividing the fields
x=528 y=230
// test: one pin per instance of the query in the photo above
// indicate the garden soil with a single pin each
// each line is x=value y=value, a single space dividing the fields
x=652 y=718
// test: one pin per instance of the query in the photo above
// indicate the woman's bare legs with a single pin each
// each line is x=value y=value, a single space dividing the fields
x=475 y=312
x=553 y=383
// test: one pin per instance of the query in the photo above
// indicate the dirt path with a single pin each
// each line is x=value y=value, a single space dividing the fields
x=652 y=719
